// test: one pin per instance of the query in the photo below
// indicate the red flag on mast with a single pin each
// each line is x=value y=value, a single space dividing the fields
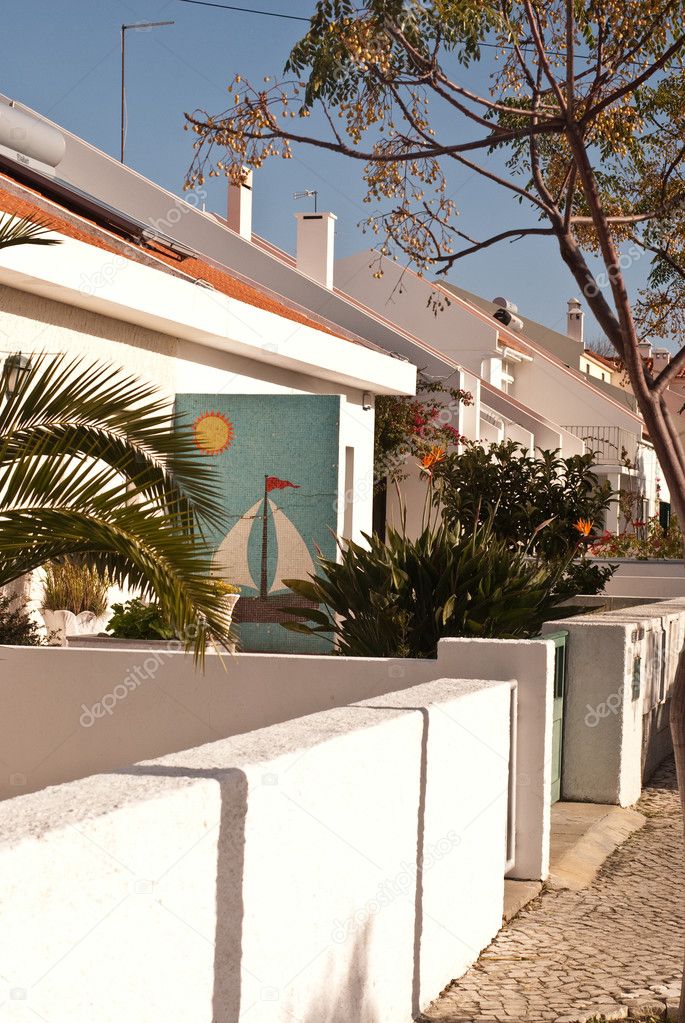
x=273 y=483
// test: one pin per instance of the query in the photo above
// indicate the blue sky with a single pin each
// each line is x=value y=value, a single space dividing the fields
x=64 y=61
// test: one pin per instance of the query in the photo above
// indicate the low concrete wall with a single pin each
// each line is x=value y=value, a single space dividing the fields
x=620 y=671
x=344 y=866
x=68 y=713
x=531 y=662
x=662 y=580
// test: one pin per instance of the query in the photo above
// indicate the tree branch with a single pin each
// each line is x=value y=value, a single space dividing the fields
x=542 y=56
x=435 y=73
x=635 y=83
x=477 y=246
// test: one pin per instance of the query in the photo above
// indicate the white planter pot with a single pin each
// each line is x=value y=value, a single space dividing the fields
x=232 y=599
x=62 y=623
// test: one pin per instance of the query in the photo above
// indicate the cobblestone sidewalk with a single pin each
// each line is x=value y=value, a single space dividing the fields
x=570 y=955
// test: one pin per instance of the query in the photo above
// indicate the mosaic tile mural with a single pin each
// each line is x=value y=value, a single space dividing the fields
x=276 y=458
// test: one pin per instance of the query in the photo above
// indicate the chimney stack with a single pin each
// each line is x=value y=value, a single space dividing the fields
x=315 y=246
x=574 y=320
x=240 y=205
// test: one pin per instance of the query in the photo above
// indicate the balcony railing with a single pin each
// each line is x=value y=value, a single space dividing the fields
x=492 y=417
x=611 y=444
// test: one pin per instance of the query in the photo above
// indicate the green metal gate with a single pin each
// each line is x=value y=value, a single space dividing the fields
x=559 y=639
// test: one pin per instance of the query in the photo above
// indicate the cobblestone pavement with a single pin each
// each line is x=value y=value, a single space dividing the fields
x=570 y=955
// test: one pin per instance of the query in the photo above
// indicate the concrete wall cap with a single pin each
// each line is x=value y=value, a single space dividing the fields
x=224 y=761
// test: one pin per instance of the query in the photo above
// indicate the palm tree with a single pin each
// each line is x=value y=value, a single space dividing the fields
x=93 y=462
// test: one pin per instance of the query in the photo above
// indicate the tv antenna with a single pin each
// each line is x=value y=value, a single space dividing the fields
x=309 y=193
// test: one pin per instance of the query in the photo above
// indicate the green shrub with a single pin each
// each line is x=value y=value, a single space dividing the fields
x=73 y=585
x=399 y=597
x=16 y=627
x=534 y=501
x=583 y=576
x=136 y=620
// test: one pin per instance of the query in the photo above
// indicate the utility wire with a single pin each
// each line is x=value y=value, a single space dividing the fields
x=295 y=17
x=245 y=10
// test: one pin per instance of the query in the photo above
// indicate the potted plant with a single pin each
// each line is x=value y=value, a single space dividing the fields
x=140 y=625
x=231 y=594
x=74 y=599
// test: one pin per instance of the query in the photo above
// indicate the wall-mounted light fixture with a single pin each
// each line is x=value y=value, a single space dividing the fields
x=12 y=372
x=367 y=401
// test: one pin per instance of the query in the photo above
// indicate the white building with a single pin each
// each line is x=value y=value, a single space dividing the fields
x=292 y=393
x=525 y=363
x=529 y=384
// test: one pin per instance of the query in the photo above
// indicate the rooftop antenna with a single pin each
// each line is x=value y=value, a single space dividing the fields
x=138 y=26
x=310 y=193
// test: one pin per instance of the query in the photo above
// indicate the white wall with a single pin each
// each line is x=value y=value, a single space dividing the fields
x=620 y=672
x=343 y=866
x=554 y=392
x=662 y=580
x=403 y=299
x=531 y=662
x=104 y=709
x=31 y=323
x=565 y=398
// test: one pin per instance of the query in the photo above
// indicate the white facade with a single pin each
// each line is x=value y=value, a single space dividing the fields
x=554 y=404
x=80 y=299
x=594 y=368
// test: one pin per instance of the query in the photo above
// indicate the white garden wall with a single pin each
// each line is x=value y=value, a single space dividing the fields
x=68 y=713
x=343 y=866
x=620 y=671
x=661 y=580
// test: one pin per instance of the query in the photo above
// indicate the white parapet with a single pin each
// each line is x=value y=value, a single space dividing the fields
x=103 y=709
x=344 y=865
x=651 y=579
x=531 y=662
x=620 y=671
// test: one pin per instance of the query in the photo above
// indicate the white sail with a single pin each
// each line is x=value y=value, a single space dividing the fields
x=231 y=558
x=294 y=559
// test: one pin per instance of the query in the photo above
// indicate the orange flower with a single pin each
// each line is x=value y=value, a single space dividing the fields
x=584 y=527
x=433 y=457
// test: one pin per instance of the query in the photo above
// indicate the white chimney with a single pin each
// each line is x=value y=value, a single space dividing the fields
x=315 y=246
x=661 y=357
x=645 y=349
x=574 y=320
x=240 y=205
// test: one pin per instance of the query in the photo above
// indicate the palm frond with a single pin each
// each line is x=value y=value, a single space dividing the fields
x=92 y=461
x=22 y=231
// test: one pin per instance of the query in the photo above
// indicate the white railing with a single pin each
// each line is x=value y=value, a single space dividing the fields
x=611 y=444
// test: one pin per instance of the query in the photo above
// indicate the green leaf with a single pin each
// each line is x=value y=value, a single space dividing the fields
x=93 y=462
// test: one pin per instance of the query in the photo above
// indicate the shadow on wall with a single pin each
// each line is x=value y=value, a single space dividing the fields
x=416 y=994
x=229 y=881
x=352 y=991
x=350 y=998
x=656 y=739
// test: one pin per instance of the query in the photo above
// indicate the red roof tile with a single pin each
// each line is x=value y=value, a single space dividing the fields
x=23 y=201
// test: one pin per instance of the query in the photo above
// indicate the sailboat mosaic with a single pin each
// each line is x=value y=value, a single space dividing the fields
x=276 y=459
